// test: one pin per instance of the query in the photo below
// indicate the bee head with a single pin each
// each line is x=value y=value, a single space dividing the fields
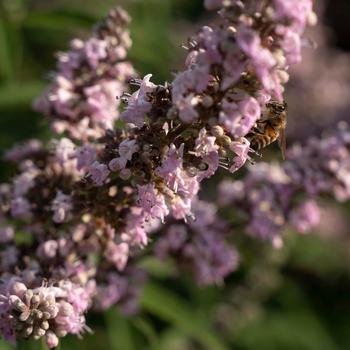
x=277 y=106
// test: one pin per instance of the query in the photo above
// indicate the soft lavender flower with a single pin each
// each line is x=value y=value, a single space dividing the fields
x=123 y=289
x=117 y=254
x=110 y=292
x=98 y=173
x=8 y=258
x=139 y=104
x=273 y=196
x=64 y=150
x=135 y=231
x=241 y=149
x=21 y=151
x=152 y=203
x=24 y=182
x=305 y=217
x=7 y=234
x=85 y=156
x=126 y=149
x=95 y=51
x=48 y=249
x=20 y=207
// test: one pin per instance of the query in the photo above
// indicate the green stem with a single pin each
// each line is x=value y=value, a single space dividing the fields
x=43 y=344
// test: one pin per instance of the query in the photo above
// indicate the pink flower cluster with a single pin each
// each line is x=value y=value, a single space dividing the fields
x=180 y=133
x=318 y=101
x=76 y=215
x=62 y=230
x=271 y=196
x=82 y=98
x=200 y=247
x=44 y=311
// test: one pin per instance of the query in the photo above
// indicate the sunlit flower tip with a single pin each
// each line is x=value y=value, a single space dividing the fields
x=51 y=339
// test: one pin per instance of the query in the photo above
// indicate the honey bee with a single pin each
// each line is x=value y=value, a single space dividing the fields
x=270 y=127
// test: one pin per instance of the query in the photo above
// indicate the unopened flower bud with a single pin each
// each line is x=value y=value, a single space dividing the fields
x=231 y=30
x=113 y=190
x=125 y=174
x=280 y=58
x=35 y=301
x=24 y=316
x=207 y=101
x=217 y=131
x=28 y=296
x=39 y=332
x=19 y=289
x=61 y=332
x=45 y=325
x=312 y=19
x=225 y=141
x=283 y=75
x=28 y=331
x=51 y=339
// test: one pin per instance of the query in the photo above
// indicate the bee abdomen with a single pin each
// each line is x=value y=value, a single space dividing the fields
x=259 y=142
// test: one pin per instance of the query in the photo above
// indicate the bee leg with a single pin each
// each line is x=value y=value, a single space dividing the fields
x=255 y=150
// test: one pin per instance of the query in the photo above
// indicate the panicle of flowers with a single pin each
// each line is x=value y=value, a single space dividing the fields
x=180 y=133
x=44 y=311
x=51 y=200
x=200 y=246
x=85 y=209
x=58 y=229
x=122 y=288
x=318 y=101
x=44 y=180
x=71 y=258
x=323 y=166
x=82 y=99
x=272 y=196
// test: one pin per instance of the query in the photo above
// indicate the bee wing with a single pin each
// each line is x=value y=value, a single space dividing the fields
x=282 y=142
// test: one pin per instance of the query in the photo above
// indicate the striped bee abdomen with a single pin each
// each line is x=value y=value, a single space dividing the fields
x=259 y=141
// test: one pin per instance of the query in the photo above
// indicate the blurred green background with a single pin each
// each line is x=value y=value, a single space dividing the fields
x=296 y=298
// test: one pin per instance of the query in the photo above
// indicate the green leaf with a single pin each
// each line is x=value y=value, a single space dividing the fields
x=288 y=331
x=157 y=268
x=58 y=20
x=169 y=307
x=119 y=331
x=6 y=62
x=172 y=339
x=27 y=345
x=23 y=238
x=20 y=93
x=145 y=327
x=5 y=346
